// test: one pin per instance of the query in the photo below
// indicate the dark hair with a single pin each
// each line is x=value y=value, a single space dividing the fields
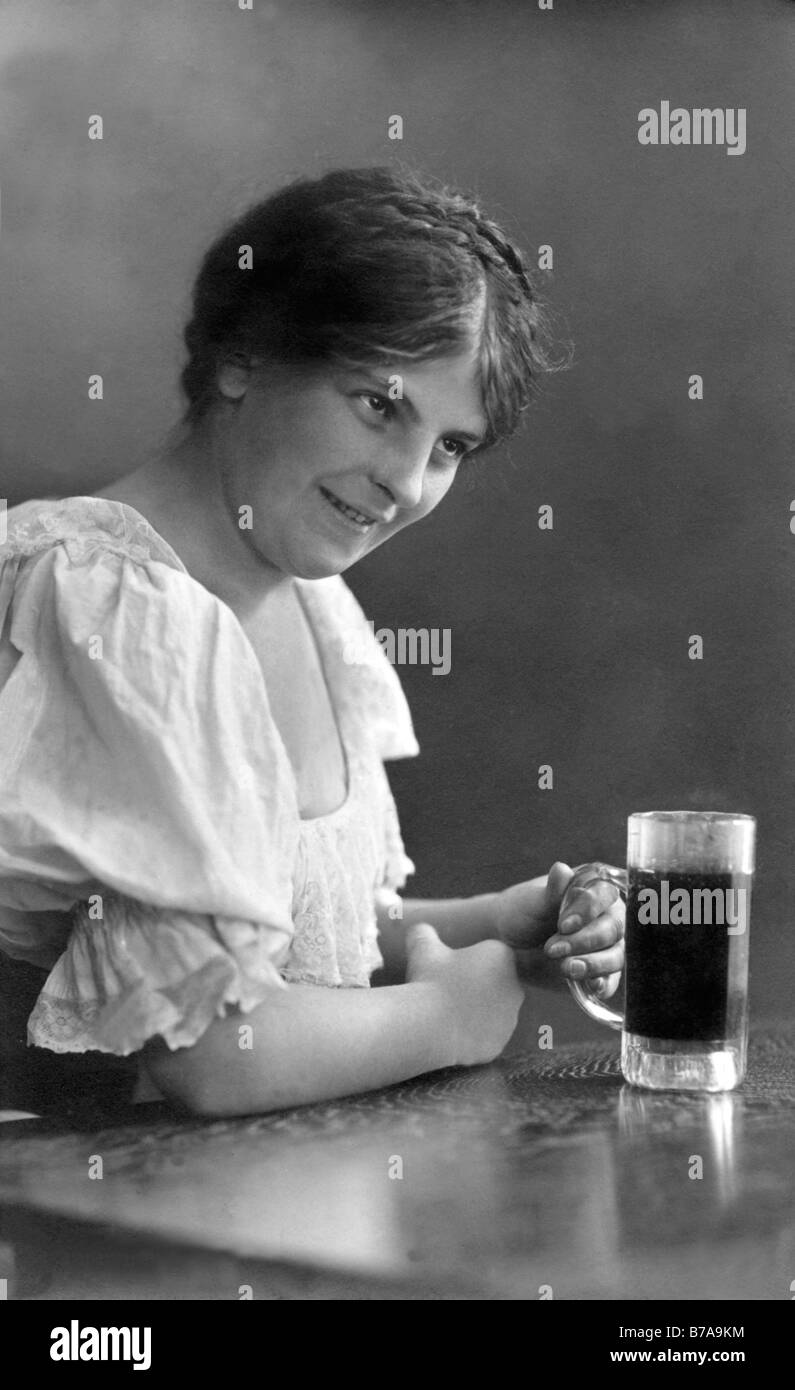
x=373 y=265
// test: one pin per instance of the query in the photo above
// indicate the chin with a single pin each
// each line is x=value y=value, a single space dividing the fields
x=317 y=565
x=319 y=569
x=314 y=557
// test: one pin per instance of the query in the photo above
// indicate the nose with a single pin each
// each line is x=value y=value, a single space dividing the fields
x=401 y=475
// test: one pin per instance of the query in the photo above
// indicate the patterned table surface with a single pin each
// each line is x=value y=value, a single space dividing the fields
x=542 y=1175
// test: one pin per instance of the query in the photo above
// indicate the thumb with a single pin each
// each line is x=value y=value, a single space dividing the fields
x=558 y=880
x=423 y=944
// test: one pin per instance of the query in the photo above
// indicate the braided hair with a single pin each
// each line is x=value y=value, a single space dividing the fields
x=375 y=266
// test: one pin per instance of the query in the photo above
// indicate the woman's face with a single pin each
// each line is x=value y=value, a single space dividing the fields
x=331 y=466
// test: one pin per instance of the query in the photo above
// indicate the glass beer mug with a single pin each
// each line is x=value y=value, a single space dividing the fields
x=687 y=887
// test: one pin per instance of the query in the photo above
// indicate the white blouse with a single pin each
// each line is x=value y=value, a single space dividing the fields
x=152 y=854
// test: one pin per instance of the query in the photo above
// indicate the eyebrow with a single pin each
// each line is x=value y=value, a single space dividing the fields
x=384 y=383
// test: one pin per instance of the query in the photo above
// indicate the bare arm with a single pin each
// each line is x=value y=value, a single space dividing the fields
x=459 y=922
x=308 y=1043
x=312 y=1043
x=525 y=917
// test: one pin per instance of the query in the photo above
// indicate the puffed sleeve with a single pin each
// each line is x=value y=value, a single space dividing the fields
x=144 y=786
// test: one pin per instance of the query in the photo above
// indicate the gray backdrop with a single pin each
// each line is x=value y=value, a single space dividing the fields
x=671 y=517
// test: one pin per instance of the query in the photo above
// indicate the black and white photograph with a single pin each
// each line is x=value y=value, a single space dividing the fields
x=396 y=911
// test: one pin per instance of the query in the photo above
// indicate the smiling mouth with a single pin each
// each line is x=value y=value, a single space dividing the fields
x=359 y=519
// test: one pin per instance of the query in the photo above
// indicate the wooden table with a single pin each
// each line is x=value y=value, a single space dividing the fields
x=543 y=1173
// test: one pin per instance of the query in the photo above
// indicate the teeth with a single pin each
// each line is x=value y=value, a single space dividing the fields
x=343 y=507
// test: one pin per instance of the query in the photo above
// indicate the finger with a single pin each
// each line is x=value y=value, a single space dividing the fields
x=423 y=939
x=558 y=880
x=606 y=985
x=597 y=963
x=597 y=936
x=582 y=904
x=598 y=895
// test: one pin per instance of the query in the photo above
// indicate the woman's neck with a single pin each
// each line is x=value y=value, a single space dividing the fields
x=180 y=494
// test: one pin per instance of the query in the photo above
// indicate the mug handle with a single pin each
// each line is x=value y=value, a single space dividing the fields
x=584 y=876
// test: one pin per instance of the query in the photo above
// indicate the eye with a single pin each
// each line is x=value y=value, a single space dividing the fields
x=453 y=449
x=379 y=405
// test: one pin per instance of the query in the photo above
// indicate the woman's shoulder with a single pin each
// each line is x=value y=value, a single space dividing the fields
x=82 y=567
x=82 y=525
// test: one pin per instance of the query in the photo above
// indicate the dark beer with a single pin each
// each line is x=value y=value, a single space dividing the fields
x=686 y=980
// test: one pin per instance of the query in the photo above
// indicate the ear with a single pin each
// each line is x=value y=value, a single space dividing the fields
x=234 y=375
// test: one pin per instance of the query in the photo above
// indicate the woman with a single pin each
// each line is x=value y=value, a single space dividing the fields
x=198 y=844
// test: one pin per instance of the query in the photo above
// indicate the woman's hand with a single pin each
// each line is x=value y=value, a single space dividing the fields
x=587 y=942
x=477 y=988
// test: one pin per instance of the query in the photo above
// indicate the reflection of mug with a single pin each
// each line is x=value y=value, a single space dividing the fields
x=688 y=893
